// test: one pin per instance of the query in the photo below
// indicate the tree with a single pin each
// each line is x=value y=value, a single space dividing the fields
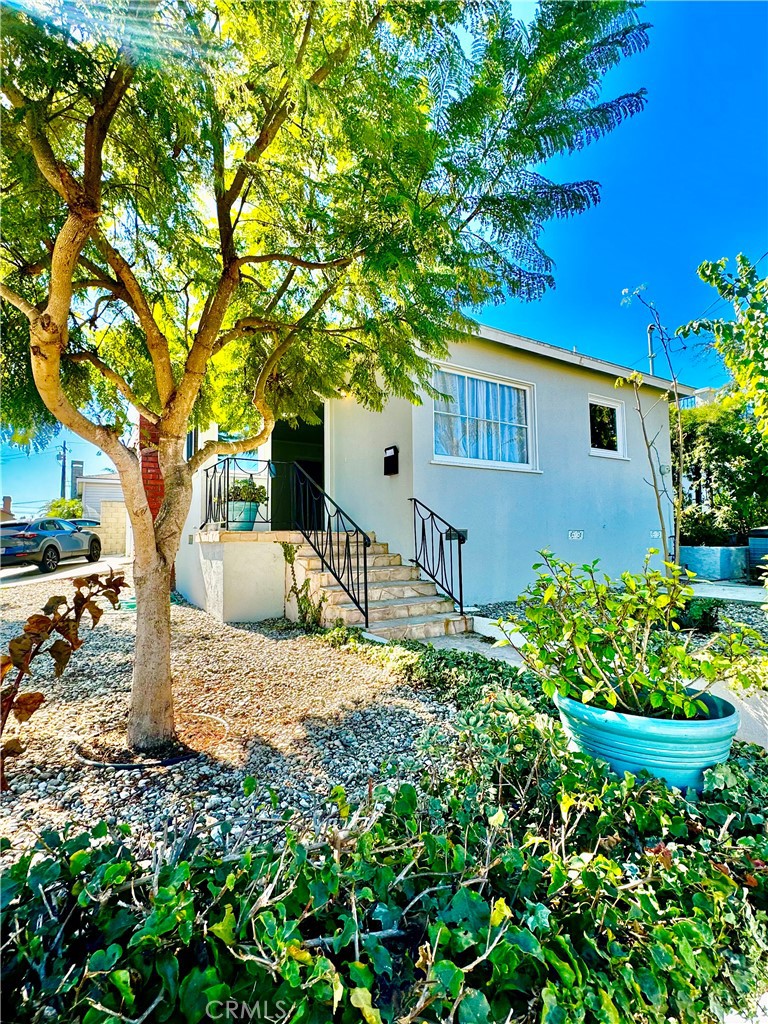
x=65 y=508
x=742 y=342
x=726 y=466
x=232 y=212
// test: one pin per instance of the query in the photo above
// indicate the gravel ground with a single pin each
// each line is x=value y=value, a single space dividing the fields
x=261 y=700
x=739 y=611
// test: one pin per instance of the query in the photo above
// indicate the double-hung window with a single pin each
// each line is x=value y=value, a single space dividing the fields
x=483 y=420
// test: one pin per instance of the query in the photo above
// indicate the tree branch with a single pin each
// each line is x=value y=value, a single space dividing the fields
x=29 y=311
x=120 y=383
x=157 y=343
x=296 y=261
x=246 y=444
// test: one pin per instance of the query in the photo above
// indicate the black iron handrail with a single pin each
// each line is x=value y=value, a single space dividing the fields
x=434 y=544
x=334 y=536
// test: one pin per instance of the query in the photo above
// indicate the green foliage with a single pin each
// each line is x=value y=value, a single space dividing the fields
x=701 y=614
x=520 y=882
x=743 y=341
x=726 y=471
x=710 y=527
x=59 y=623
x=616 y=644
x=372 y=162
x=65 y=508
x=310 y=612
x=248 y=491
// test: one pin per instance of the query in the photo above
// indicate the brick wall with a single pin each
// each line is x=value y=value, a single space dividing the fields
x=150 y=466
x=112 y=530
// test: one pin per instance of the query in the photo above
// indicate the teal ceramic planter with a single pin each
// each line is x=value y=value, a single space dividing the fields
x=242 y=515
x=676 y=750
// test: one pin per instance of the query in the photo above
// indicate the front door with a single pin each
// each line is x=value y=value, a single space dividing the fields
x=303 y=445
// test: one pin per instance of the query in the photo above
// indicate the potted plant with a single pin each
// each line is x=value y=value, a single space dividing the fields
x=708 y=545
x=630 y=685
x=243 y=502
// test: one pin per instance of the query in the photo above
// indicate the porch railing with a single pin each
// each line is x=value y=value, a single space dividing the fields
x=290 y=499
x=437 y=551
x=335 y=537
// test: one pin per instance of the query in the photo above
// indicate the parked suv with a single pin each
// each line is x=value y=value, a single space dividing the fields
x=45 y=542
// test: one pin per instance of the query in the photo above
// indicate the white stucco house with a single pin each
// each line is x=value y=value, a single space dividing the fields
x=532 y=446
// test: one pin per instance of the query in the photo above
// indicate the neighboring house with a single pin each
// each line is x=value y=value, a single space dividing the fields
x=532 y=447
x=6 y=515
x=97 y=488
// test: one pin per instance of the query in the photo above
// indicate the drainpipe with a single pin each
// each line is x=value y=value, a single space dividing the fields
x=651 y=354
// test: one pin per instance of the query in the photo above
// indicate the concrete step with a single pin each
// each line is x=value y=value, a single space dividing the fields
x=421 y=627
x=379 y=611
x=307 y=551
x=377 y=574
x=314 y=562
x=385 y=590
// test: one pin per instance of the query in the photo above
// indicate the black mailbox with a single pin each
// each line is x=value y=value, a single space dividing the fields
x=391 y=461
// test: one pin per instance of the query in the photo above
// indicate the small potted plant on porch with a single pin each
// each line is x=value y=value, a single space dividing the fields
x=631 y=687
x=243 y=501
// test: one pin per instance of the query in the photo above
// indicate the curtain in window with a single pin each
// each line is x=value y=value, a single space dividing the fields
x=480 y=419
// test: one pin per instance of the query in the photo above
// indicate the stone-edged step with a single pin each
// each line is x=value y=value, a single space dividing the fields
x=314 y=562
x=307 y=551
x=384 y=590
x=421 y=627
x=378 y=611
x=377 y=574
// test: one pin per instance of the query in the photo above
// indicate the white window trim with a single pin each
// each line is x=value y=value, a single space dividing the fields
x=532 y=466
x=621 y=428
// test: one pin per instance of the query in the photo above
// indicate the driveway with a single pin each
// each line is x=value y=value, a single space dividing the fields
x=17 y=576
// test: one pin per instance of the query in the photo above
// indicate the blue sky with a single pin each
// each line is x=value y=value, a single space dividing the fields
x=685 y=181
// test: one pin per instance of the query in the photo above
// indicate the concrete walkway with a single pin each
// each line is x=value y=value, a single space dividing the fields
x=724 y=591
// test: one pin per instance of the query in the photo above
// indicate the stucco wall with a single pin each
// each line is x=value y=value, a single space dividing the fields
x=509 y=514
x=355 y=440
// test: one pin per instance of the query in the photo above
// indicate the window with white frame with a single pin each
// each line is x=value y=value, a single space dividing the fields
x=606 y=427
x=484 y=420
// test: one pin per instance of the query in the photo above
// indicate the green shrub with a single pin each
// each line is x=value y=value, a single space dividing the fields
x=521 y=884
x=597 y=640
x=701 y=614
x=704 y=526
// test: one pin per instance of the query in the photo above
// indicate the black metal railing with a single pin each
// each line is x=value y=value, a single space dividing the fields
x=335 y=537
x=288 y=498
x=228 y=486
x=437 y=551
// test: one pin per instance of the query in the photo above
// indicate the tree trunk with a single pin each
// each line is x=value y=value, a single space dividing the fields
x=150 y=722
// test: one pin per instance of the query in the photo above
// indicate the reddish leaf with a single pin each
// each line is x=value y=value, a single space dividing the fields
x=751 y=881
x=39 y=625
x=95 y=611
x=53 y=603
x=26 y=704
x=12 y=747
x=19 y=649
x=61 y=652
x=112 y=597
x=80 y=581
x=6 y=664
x=68 y=630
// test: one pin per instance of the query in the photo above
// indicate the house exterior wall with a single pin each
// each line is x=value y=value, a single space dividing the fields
x=510 y=514
x=355 y=440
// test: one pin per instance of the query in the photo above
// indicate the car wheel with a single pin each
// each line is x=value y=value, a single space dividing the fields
x=94 y=551
x=50 y=560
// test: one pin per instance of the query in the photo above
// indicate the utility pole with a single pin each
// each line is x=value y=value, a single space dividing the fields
x=62 y=457
x=651 y=353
